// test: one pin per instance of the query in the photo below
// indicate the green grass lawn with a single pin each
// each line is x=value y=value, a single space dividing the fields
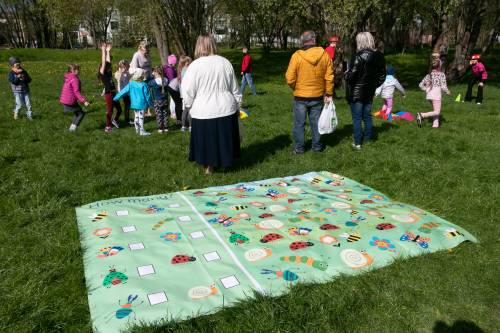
x=453 y=172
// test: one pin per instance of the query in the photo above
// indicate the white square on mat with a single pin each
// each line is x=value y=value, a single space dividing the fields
x=211 y=256
x=129 y=228
x=136 y=246
x=197 y=234
x=157 y=298
x=184 y=218
x=176 y=205
x=145 y=270
x=122 y=212
x=229 y=281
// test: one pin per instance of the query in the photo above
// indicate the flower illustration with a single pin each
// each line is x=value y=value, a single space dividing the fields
x=171 y=236
x=382 y=244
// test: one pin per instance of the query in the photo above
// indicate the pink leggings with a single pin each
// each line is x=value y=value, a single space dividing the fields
x=436 y=106
x=387 y=108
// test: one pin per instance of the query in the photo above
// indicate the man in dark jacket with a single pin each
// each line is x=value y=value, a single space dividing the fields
x=19 y=82
x=366 y=72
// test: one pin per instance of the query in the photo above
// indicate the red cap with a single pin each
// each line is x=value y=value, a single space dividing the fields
x=476 y=57
x=334 y=39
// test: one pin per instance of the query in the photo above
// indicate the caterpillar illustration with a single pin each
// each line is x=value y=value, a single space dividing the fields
x=321 y=265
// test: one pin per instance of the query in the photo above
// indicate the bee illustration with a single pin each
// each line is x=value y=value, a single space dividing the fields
x=410 y=237
x=114 y=278
x=126 y=309
x=452 y=232
x=316 y=180
x=181 y=259
x=328 y=226
x=109 y=251
x=238 y=207
x=270 y=238
x=154 y=209
x=238 y=239
x=98 y=216
x=321 y=265
x=275 y=195
x=287 y=275
x=427 y=227
x=301 y=231
x=385 y=226
x=300 y=245
x=351 y=238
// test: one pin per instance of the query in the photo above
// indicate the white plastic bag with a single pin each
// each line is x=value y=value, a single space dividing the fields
x=328 y=120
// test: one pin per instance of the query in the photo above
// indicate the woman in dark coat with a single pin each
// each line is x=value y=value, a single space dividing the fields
x=366 y=72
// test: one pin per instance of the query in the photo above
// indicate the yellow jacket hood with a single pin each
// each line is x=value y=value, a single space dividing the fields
x=312 y=55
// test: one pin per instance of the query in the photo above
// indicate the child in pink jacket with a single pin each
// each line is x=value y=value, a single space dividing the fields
x=71 y=95
x=479 y=75
x=433 y=84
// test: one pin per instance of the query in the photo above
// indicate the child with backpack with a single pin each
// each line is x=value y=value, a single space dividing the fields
x=19 y=82
x=71 y=95
x=159 y=85
x=386 y=91
x=479 y=76
x=433 y=84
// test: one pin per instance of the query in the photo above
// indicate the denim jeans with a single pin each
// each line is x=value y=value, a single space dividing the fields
x=22 y=99
x=247 y=77
x=360 y=112
x=300 y=111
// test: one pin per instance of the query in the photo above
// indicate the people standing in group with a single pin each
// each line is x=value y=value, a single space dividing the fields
x=140 y=99
x=184 y=63
x=159 y=92
x=142 y=59
x=479 y=76
x=122 y=77
x=170 y=73
x=211 y=94
x=71 y=95
x=366 y=72
x=105 y=76
x=386 y=91
x=310 y=75
x=433 y=84
x=246 y=72
x=19 y=80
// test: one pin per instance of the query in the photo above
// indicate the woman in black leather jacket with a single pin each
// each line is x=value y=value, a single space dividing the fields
x=366 y=72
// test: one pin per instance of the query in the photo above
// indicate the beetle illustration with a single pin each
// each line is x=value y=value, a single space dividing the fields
x=385 y=226
x=270 y=238
x=300 y=245
x=114 y=278
x=265 y=215
x=181 y=259
x=126 y=309
x=238 y=239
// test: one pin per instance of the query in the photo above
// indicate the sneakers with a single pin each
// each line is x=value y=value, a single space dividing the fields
x=72 y=128
x=108 y=129
x=183 y=129
x=16 y=116
x=144 y=133
x=297 y=152
x=478 y=103
x=355 y=146
x=419 y=119
x=115 y=123
x=131 y=123
x=161 y=131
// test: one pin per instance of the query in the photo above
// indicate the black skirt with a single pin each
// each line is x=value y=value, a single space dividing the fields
x=215 y=142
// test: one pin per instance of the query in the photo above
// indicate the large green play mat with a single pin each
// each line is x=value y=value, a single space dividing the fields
x=189 y=253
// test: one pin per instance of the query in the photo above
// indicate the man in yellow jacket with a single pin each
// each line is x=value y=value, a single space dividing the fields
x=310 y=75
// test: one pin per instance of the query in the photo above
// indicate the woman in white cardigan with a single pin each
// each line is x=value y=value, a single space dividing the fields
x=210 y=92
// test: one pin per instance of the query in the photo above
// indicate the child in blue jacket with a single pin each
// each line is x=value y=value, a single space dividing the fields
x=19 y=82
x=159 y=86
x=140 y=99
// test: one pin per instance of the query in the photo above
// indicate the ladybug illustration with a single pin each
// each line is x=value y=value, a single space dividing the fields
x=328 y=226
x=292 y=200
x=211 y=213
x=300 y=245
x=367 y=201
x=270 y=238
x=265 y=215
x=114 y=278
x=238 y=238
x=182 y=259
x=385 y=226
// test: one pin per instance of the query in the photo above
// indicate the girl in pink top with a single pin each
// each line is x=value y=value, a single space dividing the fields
x=71 y=95
x=479 y=76
x=433 y=84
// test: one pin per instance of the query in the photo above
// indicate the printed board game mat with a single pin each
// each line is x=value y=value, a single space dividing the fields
x=182 y=254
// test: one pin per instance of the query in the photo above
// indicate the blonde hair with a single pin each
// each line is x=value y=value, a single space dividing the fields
x=364 y=40
x=73 y=67
x=205 y=46
x=184 y=61
x=143 y=44
x=123 y=63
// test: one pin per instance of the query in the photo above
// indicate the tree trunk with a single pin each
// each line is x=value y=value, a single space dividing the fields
x=161 y=39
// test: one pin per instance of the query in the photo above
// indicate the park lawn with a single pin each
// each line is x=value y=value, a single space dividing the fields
x=453 y=172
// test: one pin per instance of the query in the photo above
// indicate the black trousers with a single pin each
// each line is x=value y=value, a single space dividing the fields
x=176 y=96
x=468 y=96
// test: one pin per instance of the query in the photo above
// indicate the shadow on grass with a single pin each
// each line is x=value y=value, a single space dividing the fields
x=257 y=152
x=459 y=326
x=333 y=139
